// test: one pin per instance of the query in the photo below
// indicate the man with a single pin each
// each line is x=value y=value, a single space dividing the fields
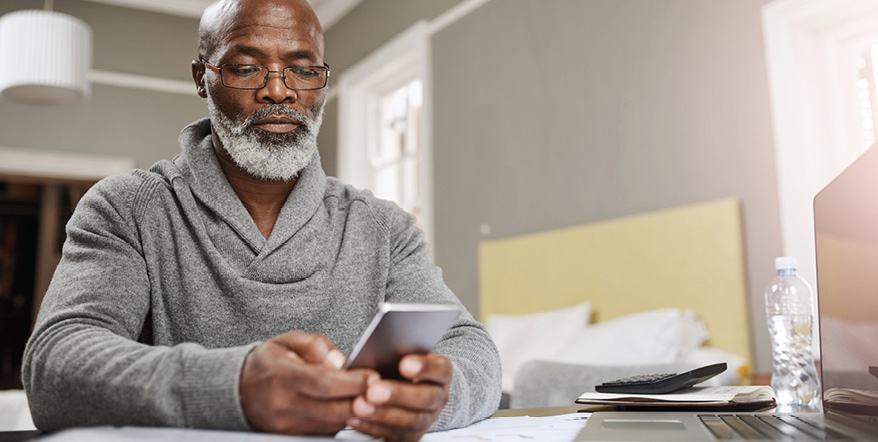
x=179 y=287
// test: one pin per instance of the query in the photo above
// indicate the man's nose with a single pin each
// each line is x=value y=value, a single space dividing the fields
x=276 y=91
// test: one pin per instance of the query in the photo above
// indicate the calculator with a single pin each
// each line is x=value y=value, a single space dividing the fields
x=661 y=383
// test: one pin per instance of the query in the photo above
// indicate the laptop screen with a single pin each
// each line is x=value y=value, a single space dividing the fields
x=846 y=235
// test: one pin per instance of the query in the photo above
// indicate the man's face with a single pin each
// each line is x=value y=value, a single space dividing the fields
x=271 y=132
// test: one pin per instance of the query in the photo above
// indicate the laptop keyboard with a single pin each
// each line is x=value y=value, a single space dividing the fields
x=767 y=427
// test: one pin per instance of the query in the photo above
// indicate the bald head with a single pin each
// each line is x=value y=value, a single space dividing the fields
x=225 y=18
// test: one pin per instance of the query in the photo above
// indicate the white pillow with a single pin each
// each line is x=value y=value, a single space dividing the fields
x=521 y=338
x=653 y=337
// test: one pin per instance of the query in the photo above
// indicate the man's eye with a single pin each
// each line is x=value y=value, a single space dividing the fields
x=243 y=71
x=305 y=72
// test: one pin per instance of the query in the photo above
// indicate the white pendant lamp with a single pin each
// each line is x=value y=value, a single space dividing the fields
x=45 y=57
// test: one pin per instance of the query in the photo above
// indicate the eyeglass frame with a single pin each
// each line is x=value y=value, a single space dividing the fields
x=219 y=70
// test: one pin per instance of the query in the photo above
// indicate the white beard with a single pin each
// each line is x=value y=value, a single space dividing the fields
x=266 y=155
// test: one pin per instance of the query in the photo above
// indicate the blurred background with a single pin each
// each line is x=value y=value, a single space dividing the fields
x=485 y=118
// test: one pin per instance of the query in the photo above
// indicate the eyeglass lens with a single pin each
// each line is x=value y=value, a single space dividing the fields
x=256 y=77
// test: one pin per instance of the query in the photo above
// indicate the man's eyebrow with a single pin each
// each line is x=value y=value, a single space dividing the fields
x=301 y=54
x=247 y=50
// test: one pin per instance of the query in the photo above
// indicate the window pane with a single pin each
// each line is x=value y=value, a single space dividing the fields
x=387 y=183
x=389 y=131
x=411 y=189
x=396 y=160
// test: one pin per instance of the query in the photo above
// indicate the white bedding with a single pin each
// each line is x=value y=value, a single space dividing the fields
x=662 y=336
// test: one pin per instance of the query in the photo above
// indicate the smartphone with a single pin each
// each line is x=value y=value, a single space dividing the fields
x=397 y=330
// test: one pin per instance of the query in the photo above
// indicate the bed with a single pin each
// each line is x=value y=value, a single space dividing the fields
x=626 y=276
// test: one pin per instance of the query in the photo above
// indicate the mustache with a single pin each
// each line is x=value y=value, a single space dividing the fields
x=277 y=109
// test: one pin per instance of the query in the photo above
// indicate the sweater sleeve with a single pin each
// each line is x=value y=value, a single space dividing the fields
x=475 y=387
x=83 y=365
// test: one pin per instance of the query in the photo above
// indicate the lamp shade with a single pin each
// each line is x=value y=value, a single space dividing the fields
x=45 y=57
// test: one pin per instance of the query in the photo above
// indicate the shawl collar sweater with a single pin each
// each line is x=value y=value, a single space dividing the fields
x=166 y=284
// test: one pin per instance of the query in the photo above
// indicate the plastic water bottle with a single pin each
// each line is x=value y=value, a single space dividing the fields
x=788 y=308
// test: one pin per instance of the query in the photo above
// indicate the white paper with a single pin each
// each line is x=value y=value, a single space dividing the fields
x=694 y=394
x=14 y=414
x=561 y=428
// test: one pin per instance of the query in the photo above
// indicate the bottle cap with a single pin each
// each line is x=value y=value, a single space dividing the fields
x=785 y=262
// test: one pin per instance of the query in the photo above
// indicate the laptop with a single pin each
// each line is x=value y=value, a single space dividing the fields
x=846 y=234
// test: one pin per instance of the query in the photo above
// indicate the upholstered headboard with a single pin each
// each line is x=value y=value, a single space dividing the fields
x=687 y=257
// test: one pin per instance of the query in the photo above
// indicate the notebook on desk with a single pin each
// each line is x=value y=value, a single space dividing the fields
x=846 y=234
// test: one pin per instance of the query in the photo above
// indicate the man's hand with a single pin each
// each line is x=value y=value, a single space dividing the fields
x=293 y=384
x=401 y=411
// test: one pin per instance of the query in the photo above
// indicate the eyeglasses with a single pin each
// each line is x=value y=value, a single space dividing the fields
x=254 y=76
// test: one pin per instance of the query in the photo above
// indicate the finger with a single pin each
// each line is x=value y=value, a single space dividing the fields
x=272 y=400
x=301 y=415
x=310 y=416
x=277 y=365
x=312 y=348
x=422 y=396
x=387 y=432
x=392 y=416
x=321 y=382
x=431 y=367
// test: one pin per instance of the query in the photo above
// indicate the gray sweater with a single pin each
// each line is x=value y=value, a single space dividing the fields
x=166 y=283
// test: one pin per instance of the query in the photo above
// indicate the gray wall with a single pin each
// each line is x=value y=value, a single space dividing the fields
x=554 y=113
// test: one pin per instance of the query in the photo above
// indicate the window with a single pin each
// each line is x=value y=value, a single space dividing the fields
x=396 y=155
x=822 y=86
x=867 y=94
x=821 y=72
x=384 y=125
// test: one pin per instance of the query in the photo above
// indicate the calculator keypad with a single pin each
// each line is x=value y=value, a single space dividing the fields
x=642 y=379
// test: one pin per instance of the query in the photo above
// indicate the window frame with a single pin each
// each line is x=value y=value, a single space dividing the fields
x=360 y=88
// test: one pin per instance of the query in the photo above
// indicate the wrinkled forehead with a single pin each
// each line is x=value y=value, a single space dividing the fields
x=283 y=21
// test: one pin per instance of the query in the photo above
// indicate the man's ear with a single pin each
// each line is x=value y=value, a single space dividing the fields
x=198 y=76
